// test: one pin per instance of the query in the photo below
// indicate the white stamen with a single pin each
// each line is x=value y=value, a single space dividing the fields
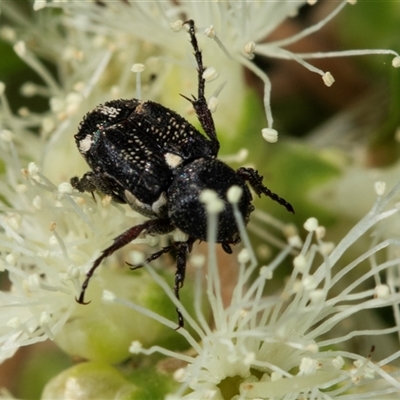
x=380 y=187
x=326 y=248
x=136 y=257
x=53 y=240
x=320 y=232
x=276 y=376
x=73 y=272
x=308 y=366
x=213 y=203
x=213 y=104
x=39 y=4
x=311 y=224
x=45 y=319
x=8 y=34
x=33 y=282
x=198 y=260
x=177 y=25
x=152 y=240
x=137 y=68
x=316 y=296
x=295 y=241
x=234 y=194
x=72 y=102
x=21 y=188
x=300 y=263
x=24 y=112
x=249 y=358
x=382 y=291
x=328 y=79
x=6 y=135
x=14 y=322
x=290 y=230
x=210 y=74
x=270 y=135
x=56 y=104
x=210 y=32
x=108 y=297
x=14 y=221
x=20 y=48
x=309 y=283
x=396 y=62
x=135 y=347
x=180 y=374
x=266 y=273
x=338 y=362
x=37 y=203
x=244 y=256
x=249 y=49
x=106 y=201
x=65 y=188
x=11 y=259
x=33 y=169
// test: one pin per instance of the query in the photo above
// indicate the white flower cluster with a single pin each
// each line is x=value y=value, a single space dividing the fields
x=284 y=345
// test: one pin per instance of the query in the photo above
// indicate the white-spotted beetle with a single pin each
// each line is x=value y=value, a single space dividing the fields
x=149 y=157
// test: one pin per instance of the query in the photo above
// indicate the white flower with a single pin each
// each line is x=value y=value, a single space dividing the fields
x=295 y=342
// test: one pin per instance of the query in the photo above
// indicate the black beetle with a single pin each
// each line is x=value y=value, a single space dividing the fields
x=149 y=157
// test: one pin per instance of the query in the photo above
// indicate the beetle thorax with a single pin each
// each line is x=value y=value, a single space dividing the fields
x=187 y=212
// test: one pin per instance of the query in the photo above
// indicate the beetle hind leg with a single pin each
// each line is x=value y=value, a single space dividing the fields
x=184 y=248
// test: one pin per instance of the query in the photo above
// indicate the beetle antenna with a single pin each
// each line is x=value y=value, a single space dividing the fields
x=255 y=181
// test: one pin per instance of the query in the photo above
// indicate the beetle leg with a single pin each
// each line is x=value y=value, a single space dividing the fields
x=226 y=245
x=153 y=257
x=226 y=248
x=184 y=248
x=91 y=182
x=200 y=104
x=84 y=184
x=151 y=226
x=255 y=181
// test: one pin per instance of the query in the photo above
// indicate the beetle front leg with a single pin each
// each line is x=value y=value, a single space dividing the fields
x=151 y=226
x=84 y=184
x=94 y=181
